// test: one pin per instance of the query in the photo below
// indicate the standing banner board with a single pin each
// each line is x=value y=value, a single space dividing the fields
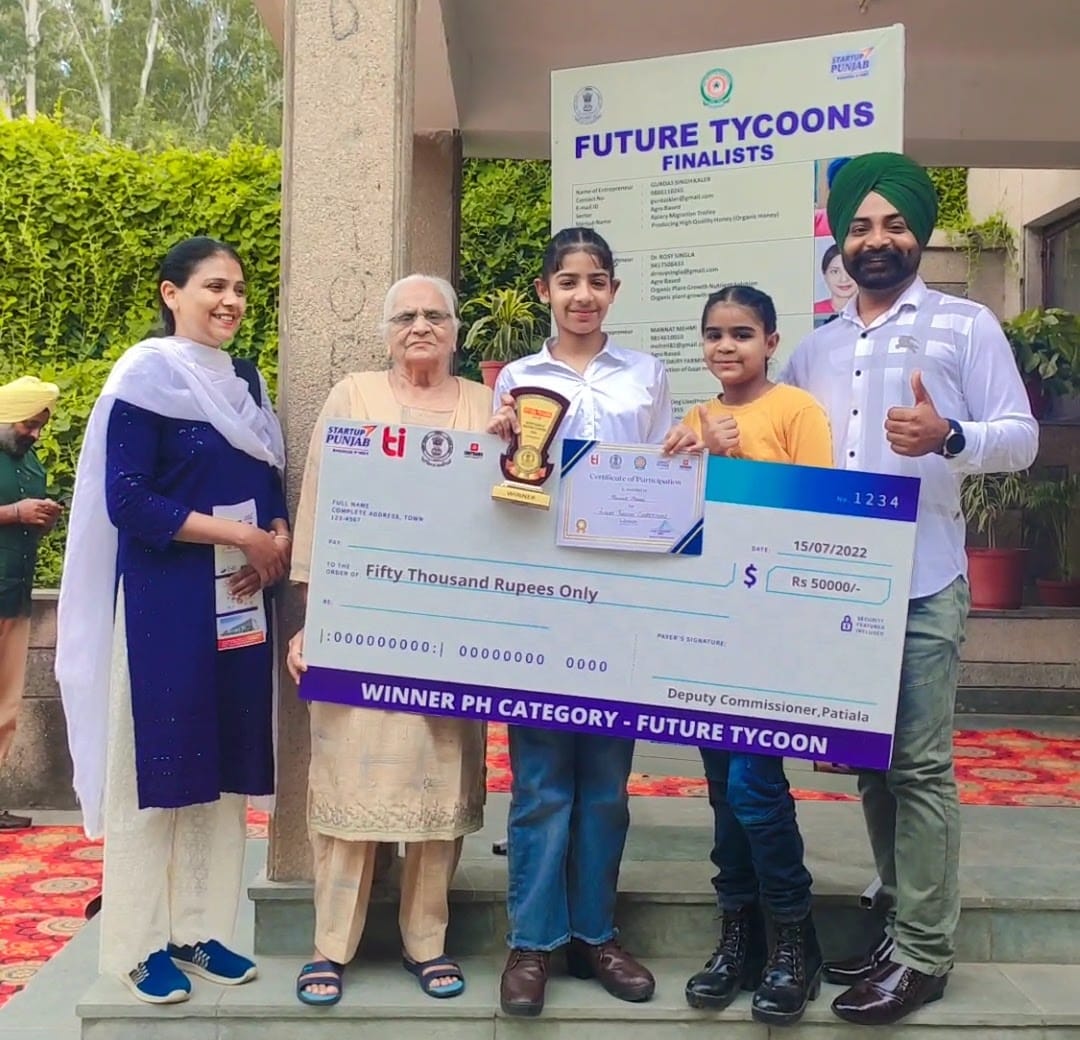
x=711 y=168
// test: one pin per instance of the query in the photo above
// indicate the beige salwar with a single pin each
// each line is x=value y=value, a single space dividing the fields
x=170 y=875
x=344 y=871
x=14 y=646
x=386 y=776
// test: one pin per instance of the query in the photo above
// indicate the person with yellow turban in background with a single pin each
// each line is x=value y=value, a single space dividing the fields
x=25 y=515
x=922 y=384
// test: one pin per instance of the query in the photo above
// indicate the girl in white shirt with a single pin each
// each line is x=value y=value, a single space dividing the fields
x=569 y=809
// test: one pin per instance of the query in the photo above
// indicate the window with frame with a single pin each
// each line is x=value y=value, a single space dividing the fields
x=1061 y=264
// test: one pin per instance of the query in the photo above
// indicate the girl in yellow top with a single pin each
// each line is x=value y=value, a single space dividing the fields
x=757 y=847
x=752 y=418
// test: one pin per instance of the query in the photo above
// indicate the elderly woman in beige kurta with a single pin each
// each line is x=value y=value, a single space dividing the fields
x=386 y=776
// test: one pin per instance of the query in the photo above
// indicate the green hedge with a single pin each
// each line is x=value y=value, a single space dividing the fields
x=505 y=223
x=84 y=223
x=952 y=193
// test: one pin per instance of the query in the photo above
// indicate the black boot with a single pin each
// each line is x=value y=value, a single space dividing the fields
x=792 y=976
x=736 y=963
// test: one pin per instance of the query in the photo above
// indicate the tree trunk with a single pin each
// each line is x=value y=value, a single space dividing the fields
x=100 y=73
x=32 y=14
x=152 y=33
x=105 y=85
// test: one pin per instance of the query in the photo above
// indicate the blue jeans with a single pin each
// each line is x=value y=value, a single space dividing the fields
x=757 y=847
x=569 y=813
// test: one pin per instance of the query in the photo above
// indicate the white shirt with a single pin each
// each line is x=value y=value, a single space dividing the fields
x=622 y=397
x=858 y=372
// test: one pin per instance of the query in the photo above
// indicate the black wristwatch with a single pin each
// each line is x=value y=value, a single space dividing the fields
x=955 y=441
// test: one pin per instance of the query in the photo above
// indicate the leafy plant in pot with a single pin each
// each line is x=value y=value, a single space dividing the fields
x=1046 y=344
x=508 y=327
x=996 y=574
x=1051 y=506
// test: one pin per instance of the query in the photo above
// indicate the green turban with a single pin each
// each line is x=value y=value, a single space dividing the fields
x=896 y=177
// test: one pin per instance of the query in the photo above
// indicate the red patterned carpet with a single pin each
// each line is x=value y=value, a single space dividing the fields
x=994 y=767
x=49 y=874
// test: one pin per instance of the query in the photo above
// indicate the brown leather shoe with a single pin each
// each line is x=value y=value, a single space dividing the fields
x=888 y=995
x=857 y=968
x=616 y=970
x=521 y=991
x=8 y=822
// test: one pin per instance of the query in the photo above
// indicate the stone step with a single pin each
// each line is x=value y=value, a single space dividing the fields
x=1016 y=701
x=676 y=917
x=1019 y=883
x=982 y=1002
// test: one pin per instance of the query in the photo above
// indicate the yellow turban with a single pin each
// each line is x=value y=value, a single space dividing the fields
x=23 y=398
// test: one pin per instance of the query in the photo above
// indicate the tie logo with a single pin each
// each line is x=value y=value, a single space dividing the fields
x=393 y=443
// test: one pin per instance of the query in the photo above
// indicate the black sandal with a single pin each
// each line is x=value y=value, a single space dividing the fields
x=320 y=973
x=426 y=973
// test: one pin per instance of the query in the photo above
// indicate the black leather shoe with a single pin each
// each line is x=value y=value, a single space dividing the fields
x=857 y=968
x=889 y=994
x=11 y=822
x=736 y=963
x=792 y=975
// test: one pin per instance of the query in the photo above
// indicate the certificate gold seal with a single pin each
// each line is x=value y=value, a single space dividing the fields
x=525 y=462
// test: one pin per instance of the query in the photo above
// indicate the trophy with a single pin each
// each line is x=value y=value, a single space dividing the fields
x=525 y=462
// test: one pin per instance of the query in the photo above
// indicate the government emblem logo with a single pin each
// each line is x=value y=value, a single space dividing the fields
x=588 y=105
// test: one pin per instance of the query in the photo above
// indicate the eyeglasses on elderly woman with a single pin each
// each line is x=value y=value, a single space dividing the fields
x=406 y=318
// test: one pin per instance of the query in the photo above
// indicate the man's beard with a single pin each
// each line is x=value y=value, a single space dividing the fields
x=13 y=444
x=882 y=269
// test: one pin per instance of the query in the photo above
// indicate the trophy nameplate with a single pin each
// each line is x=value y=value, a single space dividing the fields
x=525 y=463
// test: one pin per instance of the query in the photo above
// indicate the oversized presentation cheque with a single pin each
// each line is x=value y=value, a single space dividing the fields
x=784 y=636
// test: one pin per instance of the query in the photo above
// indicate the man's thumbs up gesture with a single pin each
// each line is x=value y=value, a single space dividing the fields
x=918 y=430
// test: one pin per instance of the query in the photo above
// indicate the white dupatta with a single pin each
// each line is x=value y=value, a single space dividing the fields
x=178 y=379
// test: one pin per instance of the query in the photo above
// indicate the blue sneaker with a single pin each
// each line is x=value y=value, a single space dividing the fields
x=158 y=981
x=213 y=961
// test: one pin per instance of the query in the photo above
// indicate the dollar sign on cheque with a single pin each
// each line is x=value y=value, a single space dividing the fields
x=751 y=576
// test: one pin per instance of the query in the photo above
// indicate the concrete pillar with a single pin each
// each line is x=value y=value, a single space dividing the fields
x=346 y=180
x=434 y=223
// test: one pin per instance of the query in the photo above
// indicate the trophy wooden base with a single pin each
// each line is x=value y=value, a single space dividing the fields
x=522 y=495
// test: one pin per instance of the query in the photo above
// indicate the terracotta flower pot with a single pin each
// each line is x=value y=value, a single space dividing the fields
x=489 y=371
x=1058 y=593
x=997 y=578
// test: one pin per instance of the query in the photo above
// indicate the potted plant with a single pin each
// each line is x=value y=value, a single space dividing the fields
x=508 y=327
x=996 y=574
x=1051 y=505
x=1046 y=344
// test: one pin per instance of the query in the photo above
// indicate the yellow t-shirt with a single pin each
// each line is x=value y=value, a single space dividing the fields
x=785 y=424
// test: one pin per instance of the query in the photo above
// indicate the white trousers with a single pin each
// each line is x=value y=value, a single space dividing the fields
x=171 y=875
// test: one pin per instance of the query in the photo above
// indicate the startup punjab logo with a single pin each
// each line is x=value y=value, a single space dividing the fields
x=852 y=64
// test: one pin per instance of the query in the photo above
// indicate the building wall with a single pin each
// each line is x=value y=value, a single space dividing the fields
x=1029 y=200
x=982 y=276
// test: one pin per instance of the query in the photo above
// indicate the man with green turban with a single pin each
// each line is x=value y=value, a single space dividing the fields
x=923 y=384
x=895 y=177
